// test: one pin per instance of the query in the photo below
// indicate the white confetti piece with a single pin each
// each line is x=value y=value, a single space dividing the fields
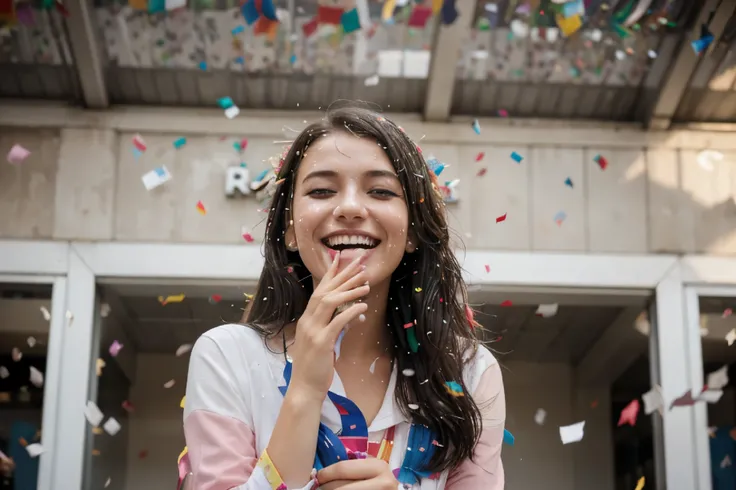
x=36 y=377
x=69 y=317
x=156 y=177
x=572 y=433
x=413 y=406
x=112 y=426
x=104 y=310
x=4 y=373
x=232 y=112
x=731 y=337
x=31 y=341
x=653 y=400
x=718 y=379
x=183 y=349
x=408 y=372
x=93 y=414
x=170 y=383
x=34 y=450
x=107 y=483
x=711 y=396
x=17 y=154
x=547 y=311
x=707 y=158
x=372 y=81
x=372 y=369
x=540 y=416
x=45 y=313
x=16 y=354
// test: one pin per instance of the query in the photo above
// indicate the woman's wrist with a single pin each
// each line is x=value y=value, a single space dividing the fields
x=303 y=396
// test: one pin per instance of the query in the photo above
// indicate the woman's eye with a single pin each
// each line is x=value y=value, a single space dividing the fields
x=320 y=192
x=384 y=193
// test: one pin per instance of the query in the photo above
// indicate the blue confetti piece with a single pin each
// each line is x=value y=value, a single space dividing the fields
x=292 y=60
x=560 y=217
x=203 y=65
x=508 y=438
x=237 y=30
x=700 y=45
x=240 y=60
x=137 y=153
x=269 y=10
x=476 y=127
x=448 y=12
x=516 y=157
x=250 y=12
x=155 y=6
x=225 y=102
x=568 y=182
x=261 y=176
x=179 y=142
x=350 y=21
x=243 y=165
x=439 y=170
x=454 y=388
x=160 y=172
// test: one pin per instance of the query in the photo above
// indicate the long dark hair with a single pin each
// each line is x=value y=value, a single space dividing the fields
x=426 y=289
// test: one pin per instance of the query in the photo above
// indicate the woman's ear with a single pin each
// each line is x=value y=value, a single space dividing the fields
x=411 y=242
x=290 y=238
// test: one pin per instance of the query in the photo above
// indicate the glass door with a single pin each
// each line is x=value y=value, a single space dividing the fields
x=713 y=327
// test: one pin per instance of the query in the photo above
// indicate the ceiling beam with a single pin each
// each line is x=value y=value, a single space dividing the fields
x=447 y=42
x=88 y=52
x=614 y=351
x=686 y=61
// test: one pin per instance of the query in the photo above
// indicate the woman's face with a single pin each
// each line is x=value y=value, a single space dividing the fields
x=347 y=197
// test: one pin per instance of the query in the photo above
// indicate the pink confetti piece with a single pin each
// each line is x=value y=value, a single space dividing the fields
x=481 y=172
x=480 y=156
x=17 y=154
x=507 y=303
x=488 y=268
x=128 y=407
x=138 y=142
x=628 y=414
x=503 y=113
x=727 y=312
x=115 y=348
x=501 y=218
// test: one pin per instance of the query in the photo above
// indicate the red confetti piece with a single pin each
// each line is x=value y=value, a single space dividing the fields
x=601 y=161
x=469 y=316
x=506 y=303
x=594 y=404
x=290 y=269
x=503 y=113
x=488 y=268
x=128 y=407
x=143 y=454
x=243 y=144
x=480 y=156
x=727 y=312
x=248 y=237
x=481 y=172
x=62 y=10
x=501 y=218
x=408 y=325
x=628 y=414
x=200 y=208
x=216 y=298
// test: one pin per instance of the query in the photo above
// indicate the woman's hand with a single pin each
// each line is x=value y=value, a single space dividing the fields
x=317 y=330
x=6 y=467
x=358 y=474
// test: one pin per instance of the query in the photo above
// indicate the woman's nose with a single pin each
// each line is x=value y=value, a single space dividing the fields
x=350 y=207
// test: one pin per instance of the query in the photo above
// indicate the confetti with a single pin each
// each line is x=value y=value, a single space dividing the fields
x=200 y=208
x=601 y=161
x=516 y=157
x=726 y=462
x=506 y=303
x=237 y=30
x=16 y=354
x=413 y=406
x=183 y=349
x=718 y=379
x=96 y=452
x=480 y=156
x=488 y=268
x=731 y=337
x=4 y=373
x=640 y=483
x=17 y=154
x=350 y=21
x=99 y=365
x=243 y=144
x=417 y=290
x=372 y=367
x=34 y=450
x=143 y=454
x=45 y=313
x=408 y=372
x=104 y=310
x=572 y=433
x=127 y=406
x=508 y=438
x=156 y=177
x=246 y=235
x=501 y=218
x=568 y=182
x=93 y=414
x=36 y=377
x=454 y=388
x=178 y=298
x=540 y=416
x=503 y=113
x=476 y=126
x=653 y=400
x=183 y=401
x=31 y=341
x=138 y=143
x=338 y=344
x=560 y=217
x=372 y=81
x=727 y=312
x=203 y=65
x=683 y=401
x=629 y=413
x=701 y=44
x=170 y=383
x=215 y=298
x=232 y=112
x=547 y=311
x=225 y=102
x=115 y=348
x=710 y=396
x=97 y=431
x=179 y=142
x=112 y=426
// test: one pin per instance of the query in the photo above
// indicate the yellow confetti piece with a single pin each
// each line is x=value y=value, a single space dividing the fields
x=570 y=25
x=418 y=290
x=181 y=455
x=95 y=452
x=97 y=431
x=388 y=9
x=22 y=442
x=640 y=484
x=280 y=181
x=248 y=297
x=99 y=365
x=183 y=401
x=436 y=6
x=171 y=299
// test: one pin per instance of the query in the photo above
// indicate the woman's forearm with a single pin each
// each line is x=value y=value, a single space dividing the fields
x=294 y=438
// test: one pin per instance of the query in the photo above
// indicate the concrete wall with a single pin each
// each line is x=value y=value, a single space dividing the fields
x=85 y=183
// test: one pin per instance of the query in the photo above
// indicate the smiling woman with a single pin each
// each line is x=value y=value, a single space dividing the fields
x=358 y=366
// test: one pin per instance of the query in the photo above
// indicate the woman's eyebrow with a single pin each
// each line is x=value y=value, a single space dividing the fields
x=381 y=173
x=332 y=174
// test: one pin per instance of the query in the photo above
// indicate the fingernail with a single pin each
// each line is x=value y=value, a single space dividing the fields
x=333 y=253
x=362 y=267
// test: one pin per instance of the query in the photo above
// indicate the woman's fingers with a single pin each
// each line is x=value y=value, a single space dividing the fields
x=353 y=469
x=338 y=323
x=349 y=271
x=357 y=280
x=329 y=303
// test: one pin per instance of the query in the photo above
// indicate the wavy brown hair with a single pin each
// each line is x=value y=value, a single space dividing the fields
x=446 y=337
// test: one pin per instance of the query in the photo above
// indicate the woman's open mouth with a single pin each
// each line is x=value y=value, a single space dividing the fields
x=350 y=242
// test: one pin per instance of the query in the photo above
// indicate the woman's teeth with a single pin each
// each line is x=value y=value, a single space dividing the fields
x=340 y=242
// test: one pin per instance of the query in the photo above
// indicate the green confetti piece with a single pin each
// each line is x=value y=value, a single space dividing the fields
x=411 y=337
